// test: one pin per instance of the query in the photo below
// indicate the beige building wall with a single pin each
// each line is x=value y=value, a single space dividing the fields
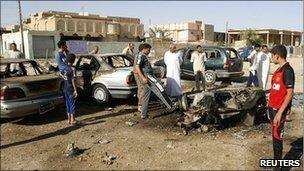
x=270 y=36
x=189 y=31
x=73 y=24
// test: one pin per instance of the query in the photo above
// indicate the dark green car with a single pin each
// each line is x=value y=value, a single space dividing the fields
x=221 y=63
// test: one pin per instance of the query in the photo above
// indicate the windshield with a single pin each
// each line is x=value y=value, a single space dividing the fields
x=19 y=69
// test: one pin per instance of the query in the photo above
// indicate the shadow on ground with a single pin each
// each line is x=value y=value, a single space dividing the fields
x=295 y=152
x=84 y=107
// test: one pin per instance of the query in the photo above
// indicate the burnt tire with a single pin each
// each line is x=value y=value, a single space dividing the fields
x=210 y=77
x=101 y=94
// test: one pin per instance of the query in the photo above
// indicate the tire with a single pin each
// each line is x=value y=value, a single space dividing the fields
x=210 y=77
x=101 y=94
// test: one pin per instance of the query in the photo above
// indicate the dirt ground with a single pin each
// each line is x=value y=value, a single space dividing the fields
x=39 y=142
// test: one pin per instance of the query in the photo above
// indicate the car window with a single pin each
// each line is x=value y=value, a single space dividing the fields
x=117 y=61
x=188 y=54
x=87 y=63
x=29 y=69
x=19 y=69
x=231 y=54
x=212 y=53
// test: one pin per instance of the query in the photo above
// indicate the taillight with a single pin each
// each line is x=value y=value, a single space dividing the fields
x=130 y=79
x=11 y=93
x=227 y=64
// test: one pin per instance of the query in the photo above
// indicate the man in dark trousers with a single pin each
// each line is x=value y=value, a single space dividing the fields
x=280 y=98
x=143 y=68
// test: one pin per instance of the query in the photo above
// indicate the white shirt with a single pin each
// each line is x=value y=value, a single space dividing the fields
x=198 y=60
x=15 y=54
x=253 y=57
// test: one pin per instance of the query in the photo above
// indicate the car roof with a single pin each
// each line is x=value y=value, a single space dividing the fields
x=102 y=55
x=205 y=47
x=14 y=60
x=230 y=48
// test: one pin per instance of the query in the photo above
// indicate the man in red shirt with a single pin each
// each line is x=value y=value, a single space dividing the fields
x=281 y=93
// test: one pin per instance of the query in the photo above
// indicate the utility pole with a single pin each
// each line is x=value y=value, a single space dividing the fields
x=21 y=26
x=226 y=34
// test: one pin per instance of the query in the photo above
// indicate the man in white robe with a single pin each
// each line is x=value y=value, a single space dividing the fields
x=173 y=60
x=263 y=63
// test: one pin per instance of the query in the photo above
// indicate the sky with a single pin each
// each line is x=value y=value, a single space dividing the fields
x=239 y=14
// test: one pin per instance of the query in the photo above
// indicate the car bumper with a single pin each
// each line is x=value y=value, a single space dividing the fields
x=124 y=93
x=226 y=74
x=28 y=107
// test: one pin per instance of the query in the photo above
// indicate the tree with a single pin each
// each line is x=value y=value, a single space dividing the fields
x=251 y=37
x=157 y=32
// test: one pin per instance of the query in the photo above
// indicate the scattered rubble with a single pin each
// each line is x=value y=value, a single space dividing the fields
x=298 y=100
x=108 y=159
x=72 y=151
x=131 y=123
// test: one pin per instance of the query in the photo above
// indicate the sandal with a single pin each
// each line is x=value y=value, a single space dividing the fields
x=75 y=123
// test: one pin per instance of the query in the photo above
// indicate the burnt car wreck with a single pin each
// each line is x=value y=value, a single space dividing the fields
x=214 y=106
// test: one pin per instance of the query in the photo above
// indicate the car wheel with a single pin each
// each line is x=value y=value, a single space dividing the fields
x=210 y=77
x=101 y=94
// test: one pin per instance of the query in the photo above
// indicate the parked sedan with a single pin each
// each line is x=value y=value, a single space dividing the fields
x=221 y=63
x=106 y=76
x=27 y=89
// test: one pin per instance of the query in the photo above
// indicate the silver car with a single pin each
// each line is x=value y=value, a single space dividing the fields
x=26 y=88
x=107 y=76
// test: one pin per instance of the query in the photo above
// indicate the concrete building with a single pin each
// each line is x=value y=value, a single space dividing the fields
x=270 y=36
x=189 y=31
x=219 y=37
x=84 y=26
x=37 y=44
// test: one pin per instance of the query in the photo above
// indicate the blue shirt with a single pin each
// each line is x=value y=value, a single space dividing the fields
x=61 y=61
x=69 y=75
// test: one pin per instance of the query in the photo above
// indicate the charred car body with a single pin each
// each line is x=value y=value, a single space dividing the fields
x=216 y=105
x=27 y=89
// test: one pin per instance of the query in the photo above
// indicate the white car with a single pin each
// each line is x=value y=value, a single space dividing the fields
x=107 y=76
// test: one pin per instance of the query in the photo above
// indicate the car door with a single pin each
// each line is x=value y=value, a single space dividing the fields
x=187 y=65
x=235 y=61
x=86 y=69
x=215 y=59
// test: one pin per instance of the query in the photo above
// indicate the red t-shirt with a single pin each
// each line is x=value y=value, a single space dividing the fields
x=282 y=79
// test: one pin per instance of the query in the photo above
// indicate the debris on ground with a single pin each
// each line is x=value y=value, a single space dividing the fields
x=298 y=100
x=131 y=123
x=72 y=151
x=103 y=141
x=109 y=109
x=108 y=159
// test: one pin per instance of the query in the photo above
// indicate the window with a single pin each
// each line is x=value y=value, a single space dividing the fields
x=91 y=63
x=19 y=69
x=118 y=61
x=231 y=54
x=212 y=54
